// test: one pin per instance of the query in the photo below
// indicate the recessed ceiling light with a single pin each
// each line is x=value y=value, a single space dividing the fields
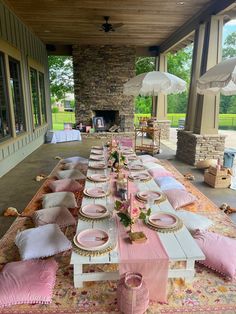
x=180 y=3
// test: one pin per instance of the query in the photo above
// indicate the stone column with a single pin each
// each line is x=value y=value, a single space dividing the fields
x=200 y=139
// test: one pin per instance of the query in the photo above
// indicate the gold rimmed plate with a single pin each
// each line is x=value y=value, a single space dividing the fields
x=142 y=176
x=97 y=177
x=95 y=211
x=145 y=195
x=91 y=239
x=96 y=192
x=163 y=220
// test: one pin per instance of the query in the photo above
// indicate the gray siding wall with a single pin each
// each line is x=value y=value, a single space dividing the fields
x=18 y=35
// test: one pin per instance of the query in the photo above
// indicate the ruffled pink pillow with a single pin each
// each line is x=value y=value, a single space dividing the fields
x=160 y=172
x=65 y=185
x=179 y=198
x=27 y=282
x=220 y=252
x=58 y=215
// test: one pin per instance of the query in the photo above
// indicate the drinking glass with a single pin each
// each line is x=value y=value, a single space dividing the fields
x=150 y=201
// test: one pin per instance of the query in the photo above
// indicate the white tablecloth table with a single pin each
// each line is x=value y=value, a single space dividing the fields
x=66 y=136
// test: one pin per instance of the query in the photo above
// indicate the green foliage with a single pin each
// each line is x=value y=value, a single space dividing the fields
x=55 y=109
x=144 y=64
x=143 y=104
x=60 y=75
x=229 y=49
x=125 y=219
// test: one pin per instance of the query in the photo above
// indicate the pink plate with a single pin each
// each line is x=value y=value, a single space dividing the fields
x=95 y=192
x=136 y=167
x=91 y=239
x=96 y=152
x=94 y=211
x=140 y=176
x=96 y=157
x=98 y=165
x=163 y=220
x=98 y=177
x=144 y=195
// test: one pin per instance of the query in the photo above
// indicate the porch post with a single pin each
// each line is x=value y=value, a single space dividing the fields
x=161 y=108
x=207 y=109
x=195 y=74
x=200 y=139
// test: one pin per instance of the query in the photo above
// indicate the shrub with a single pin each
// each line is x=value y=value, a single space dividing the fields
x=55 y=109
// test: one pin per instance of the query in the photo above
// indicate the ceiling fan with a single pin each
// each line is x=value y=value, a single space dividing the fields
x=107 y=27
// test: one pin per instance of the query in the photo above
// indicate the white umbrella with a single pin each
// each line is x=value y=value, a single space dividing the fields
x=219 y=79
x=153 y=83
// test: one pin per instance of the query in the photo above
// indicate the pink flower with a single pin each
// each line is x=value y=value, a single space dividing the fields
x=135 y=212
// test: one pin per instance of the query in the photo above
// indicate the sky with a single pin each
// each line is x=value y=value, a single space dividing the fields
x=229 y=28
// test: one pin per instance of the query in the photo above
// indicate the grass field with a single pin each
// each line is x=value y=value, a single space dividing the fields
x=226 y=121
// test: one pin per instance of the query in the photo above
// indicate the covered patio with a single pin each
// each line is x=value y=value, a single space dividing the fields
x=103 y=61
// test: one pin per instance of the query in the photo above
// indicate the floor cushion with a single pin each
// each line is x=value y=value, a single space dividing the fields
x=58 y=215
x=160 y=172
x=220 y=252
x=66 y=199
x=179 y=198
x=27 y=282
x=147 y=158
x=194 y=221
x=42 y=241
x=70 y=174
x=169 y=183
x=75 y=160
x=65 y=185
x=152 y=165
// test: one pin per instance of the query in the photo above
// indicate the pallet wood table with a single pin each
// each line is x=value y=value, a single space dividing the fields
x=179 y=245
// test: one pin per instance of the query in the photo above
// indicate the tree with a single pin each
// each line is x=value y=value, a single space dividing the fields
x=143 y=65
x=228 y=103
x=60 y=75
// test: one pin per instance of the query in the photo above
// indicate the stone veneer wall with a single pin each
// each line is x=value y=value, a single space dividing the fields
x=192 y=148
x=165 y=128
x=99 y=75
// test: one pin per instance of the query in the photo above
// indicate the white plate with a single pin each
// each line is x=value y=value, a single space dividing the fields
x=95 y=192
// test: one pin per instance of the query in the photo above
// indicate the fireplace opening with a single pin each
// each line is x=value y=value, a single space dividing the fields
x=109 y=119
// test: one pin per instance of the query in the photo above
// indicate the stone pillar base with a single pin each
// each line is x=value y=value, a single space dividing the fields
x=164 y=125
x=192 y=148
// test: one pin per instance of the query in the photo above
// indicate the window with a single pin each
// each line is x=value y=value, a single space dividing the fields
x=4 y=105
x=17 y=96
x=42 y=97
x=35 y=97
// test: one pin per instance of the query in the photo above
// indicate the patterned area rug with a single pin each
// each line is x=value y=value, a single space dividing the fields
x=208 y=293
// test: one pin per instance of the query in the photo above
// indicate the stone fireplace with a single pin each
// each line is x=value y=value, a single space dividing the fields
x=99 y=75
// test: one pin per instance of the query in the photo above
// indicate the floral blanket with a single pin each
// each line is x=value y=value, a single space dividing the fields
x=207 y=293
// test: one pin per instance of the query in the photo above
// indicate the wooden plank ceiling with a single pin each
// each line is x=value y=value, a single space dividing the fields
x=145 y=22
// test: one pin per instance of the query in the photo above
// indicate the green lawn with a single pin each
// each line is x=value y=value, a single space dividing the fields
x=226 y=121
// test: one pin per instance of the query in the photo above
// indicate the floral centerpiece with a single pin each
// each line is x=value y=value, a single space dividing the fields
x=117 y=159
x=129 y=213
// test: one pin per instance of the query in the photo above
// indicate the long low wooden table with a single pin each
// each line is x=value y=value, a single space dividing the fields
x=180 y=245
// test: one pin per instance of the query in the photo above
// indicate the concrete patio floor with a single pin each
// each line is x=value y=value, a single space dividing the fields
x=18 y=186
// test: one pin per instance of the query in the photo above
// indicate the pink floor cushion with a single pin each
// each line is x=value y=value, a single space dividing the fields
x=220 y=252
x=42 y=241
x=27 y=282
x=66 y=199
x=160 y=172
x=193 y=221
x=65 y=185
x=58 y=215
x=179 y=198
x=169 y=183
x=147 y=158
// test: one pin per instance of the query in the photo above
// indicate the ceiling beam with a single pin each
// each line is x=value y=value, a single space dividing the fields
x=203 y=15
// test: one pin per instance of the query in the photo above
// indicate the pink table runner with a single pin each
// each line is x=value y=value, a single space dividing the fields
x=149 y=258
